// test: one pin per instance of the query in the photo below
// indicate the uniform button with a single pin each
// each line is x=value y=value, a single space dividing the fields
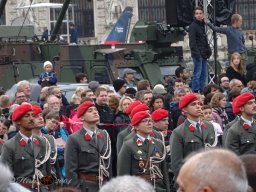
x=248 y=141
x=140 y=158
x=192 y=141
x=22 y=158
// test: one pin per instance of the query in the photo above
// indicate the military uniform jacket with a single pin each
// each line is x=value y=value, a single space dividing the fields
x=21 y=159
x=184 y=141
x=133 y=159
x=82 y=156
x=241 y=139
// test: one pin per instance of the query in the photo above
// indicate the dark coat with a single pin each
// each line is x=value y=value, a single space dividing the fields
x=82 y=156
x=132 y=160
x=241 y=140
x=198 y=41
x=121 y=118
x=183 y=142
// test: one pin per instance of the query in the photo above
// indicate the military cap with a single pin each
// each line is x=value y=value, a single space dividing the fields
x=241 y=100
x=36 y=109
x=187 y=99
x=84 y=107
x=20 y=111
x=129 y=109
x=159 y=114
x=138 y=108
x=138 y=117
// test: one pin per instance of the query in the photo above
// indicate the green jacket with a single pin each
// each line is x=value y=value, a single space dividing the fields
x=241 y=140
x=183 y=142
x=226 y=128
x=21 y=159
x=82 y=156
x=133 y=159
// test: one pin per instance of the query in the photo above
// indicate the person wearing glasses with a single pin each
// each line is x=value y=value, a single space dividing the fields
x=192 y=135
x=144 y=156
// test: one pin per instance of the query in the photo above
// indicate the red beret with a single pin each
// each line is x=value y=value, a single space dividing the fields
x=138 y=117
x=83 y=108
x=187 y=99
x=20 y=111
x=36 y=109
x=129 y=109
x=241 y=100
x=159 y=114
x=138 y=108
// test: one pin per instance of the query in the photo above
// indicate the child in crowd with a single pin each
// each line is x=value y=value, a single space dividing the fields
x=207 y=115
x=48 y=77
x=236 y=68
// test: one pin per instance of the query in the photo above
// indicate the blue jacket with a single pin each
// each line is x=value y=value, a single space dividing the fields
x=51 y=75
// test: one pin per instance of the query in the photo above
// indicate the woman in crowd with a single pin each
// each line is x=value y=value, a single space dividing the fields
x=156 y=102
x=236 y=69
x=219 y=115
x=121 y=117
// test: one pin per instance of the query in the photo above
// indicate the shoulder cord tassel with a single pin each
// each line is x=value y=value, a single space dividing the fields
x=104 y=161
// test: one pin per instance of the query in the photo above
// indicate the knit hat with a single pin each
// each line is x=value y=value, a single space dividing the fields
x=118 y=84
x=20 y=111
x=159 y=89
x=47 y=63
x=93 y=85
x=138 y=117
x=187 y=99
x=83 y=108
x=159 y=114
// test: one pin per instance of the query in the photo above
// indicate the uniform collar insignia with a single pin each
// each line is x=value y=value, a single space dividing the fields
x=99 y=135
x=151 y=140
x=191 y=128
x=87 y=137
x=22 y=142
x=1 y=141
x=139 y=142
x=203 y=125
x=35 y=141
x=246 y=126
x=152 y=134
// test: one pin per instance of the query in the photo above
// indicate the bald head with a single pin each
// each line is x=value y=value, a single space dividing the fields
x=207 y=170
x=236 y=84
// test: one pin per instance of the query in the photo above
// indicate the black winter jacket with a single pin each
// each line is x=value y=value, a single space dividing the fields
x=198 y=41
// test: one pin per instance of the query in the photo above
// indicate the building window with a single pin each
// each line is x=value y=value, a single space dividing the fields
x=84 y=16
x=246 y=8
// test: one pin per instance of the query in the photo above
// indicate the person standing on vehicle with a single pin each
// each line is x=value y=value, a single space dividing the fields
x=200 y=50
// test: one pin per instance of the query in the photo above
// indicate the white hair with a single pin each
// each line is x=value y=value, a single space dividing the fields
x=21 y=84
x=127 y=184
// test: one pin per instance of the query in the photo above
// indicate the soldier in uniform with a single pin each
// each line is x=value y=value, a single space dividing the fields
x=191 y=135
x=241 y=136
x=88 y=152
x=25 y=154
x=38 y=124
x=143 y=156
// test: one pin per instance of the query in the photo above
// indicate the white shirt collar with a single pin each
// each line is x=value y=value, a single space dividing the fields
x=247 y=121
x=143 y=138
x=193 y=122
x=90 y=132
x=25 y=137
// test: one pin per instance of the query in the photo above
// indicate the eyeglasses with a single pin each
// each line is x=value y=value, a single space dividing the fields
x=146 y=121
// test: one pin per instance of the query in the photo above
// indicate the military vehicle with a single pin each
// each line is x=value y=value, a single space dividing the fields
x=149 y=53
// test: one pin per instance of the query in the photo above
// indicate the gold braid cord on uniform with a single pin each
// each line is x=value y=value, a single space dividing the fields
x=155 y=172
x=105 y=161
x=38 y=174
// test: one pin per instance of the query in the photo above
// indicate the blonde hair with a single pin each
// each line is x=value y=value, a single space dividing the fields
x=74 y=98
x=235 y=17
x=120 y=107
x=215 y=101
x=79 y=91
x=241 y=65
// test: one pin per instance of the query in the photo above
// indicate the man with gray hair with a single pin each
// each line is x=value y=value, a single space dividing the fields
x=216 y=170
x=24 y=86
x=235 y=83
x=129 y=184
